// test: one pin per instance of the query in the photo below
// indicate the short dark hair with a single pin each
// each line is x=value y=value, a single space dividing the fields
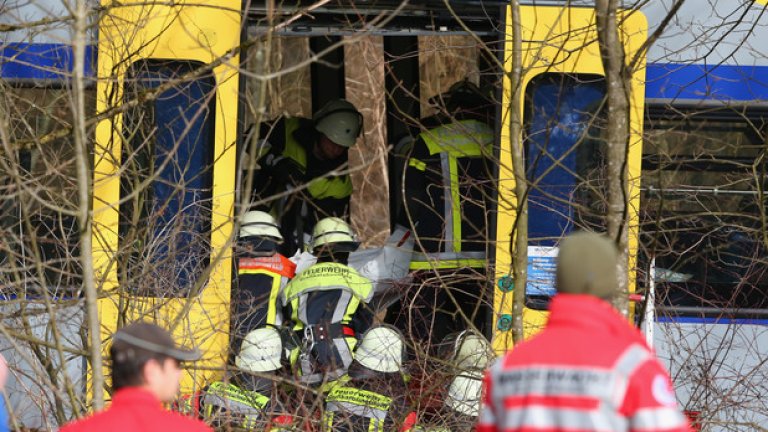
x=128 y=364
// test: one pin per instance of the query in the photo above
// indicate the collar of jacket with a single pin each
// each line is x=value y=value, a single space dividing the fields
x=134 y=396
x=589 y=313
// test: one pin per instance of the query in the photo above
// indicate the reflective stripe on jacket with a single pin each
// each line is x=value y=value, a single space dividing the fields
x=350 y=409
x=327 y=276
x=588 y=370
x=319 y=188
x=260 y=281
x=326 y=297
x=227 y=405
x=452 y=143
x=294 y=185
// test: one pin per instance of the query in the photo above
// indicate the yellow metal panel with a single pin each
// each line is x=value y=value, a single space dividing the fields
x=435 y=264
x=207 y=32
x=560 y=40
x=453 y=173
x=634 y=33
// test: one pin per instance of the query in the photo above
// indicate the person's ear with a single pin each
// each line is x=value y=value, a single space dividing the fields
x=153 y=369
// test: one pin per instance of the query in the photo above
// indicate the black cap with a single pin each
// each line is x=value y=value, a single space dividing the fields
x=152 y=338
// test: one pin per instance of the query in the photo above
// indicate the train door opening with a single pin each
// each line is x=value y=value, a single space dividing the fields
x=401 y=85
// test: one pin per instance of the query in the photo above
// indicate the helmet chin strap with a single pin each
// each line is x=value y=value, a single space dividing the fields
x=327 y=254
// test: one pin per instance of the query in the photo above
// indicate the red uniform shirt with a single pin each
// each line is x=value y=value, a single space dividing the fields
x=136 y=409
x=588 y=370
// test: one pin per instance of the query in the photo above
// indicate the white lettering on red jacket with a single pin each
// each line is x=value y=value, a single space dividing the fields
x=588 y=370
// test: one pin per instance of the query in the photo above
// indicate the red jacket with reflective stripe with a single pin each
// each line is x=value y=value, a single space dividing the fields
x=588 y=370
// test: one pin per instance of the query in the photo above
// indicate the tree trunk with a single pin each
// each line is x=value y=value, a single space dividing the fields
x=617 y=81
x=84 y=188
x=519 y=233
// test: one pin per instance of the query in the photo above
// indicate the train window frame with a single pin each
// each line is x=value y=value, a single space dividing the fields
x=702 y=236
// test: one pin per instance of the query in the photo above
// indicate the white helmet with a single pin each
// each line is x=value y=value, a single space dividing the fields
x=464 y=393
x=261 y=351
x=340 y=121
x=472 y=352
x=382 y=349
x=332 y=230
x=260 y=224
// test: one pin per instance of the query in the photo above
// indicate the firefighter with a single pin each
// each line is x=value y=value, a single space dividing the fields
x=589 y=369
x=447 y=184
x=467 y=351
x=462 y=400
x=308 y=157
x=374 y=398
x=327 y=304
x=460 y=408
x=465 y=356
x=248 y=399
x=446 y=177
x=262 y=273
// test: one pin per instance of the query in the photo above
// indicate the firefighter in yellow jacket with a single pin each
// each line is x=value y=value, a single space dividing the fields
x=262 y=273
x=327 y=305
x=302 y=163
x=375 y=397
x=447 y=184
x=248 y=398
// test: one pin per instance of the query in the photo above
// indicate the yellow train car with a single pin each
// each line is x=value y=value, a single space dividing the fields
x=563 y=89
x=167 y=94
x=165 y=160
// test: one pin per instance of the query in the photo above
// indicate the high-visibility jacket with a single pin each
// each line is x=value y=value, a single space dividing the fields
x=260 y=281
x=447 y=180
x=588 y=370
x=286 y=162
x=225 y=405
x=349 y=408
x=256 y=301
x=325 y=303
x=319 y=188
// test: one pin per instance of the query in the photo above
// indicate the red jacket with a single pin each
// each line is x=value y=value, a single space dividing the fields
x=588 y=370
x=136 y=409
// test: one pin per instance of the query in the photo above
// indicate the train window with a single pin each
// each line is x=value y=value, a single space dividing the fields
x=703 y=214
x=564 y=159
x=39 y=248
x=165 y=215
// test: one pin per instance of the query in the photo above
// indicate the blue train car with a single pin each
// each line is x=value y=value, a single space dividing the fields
x=703 y=208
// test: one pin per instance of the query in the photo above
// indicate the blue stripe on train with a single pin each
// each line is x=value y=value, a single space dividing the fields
x=663 y=80
x=41 y=61
x=713 y=320
x=696 y=81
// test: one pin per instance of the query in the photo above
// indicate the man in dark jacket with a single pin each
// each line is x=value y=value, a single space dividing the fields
x=447 y=181
x=262 y=273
